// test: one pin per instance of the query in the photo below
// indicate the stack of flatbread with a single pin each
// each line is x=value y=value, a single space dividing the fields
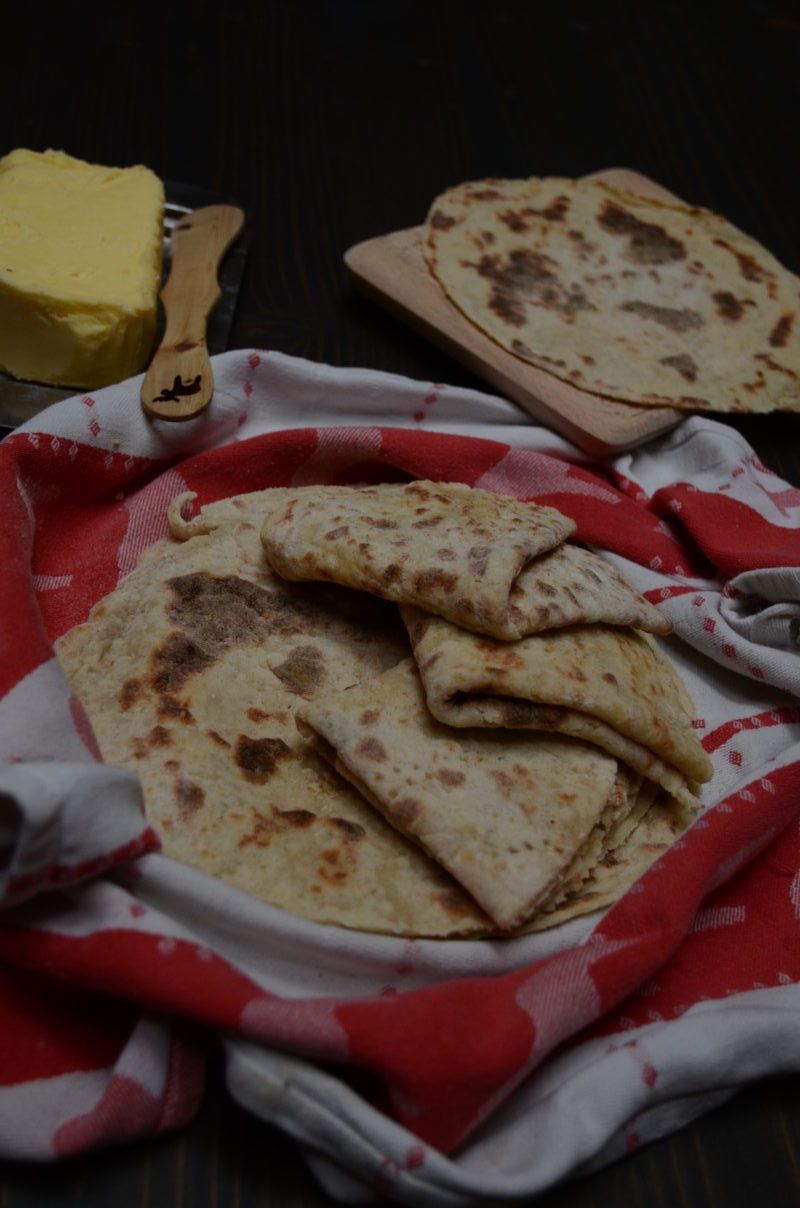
x=417 y=709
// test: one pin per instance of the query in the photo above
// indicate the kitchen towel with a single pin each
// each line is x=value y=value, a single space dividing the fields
x=452 y=1073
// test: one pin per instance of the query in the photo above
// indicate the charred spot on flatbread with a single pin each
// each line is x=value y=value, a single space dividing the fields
x=257 y=758
x=647 y=242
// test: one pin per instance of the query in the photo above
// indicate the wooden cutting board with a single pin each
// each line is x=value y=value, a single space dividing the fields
x=391 y=269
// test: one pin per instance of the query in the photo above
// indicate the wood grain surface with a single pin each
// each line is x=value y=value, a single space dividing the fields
x=332 y=122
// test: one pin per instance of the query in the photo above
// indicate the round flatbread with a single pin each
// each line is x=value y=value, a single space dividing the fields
x=620 y=295
x=191 y=672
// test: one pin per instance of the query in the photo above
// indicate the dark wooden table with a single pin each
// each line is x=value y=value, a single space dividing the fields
x=330 y=123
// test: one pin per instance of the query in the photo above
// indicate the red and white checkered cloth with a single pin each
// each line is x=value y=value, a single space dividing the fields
x=492 y=1069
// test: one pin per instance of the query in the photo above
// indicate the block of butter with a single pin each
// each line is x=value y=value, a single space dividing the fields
x=80 y=268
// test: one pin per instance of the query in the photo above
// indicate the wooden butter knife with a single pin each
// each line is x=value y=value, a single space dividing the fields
x=179 y=382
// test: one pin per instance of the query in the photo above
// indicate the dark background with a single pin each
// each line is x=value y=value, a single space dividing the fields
x=330 y=123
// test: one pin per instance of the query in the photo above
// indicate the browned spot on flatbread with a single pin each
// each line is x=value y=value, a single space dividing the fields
x=749 y=267
x=683 y=363
x=297 y=819
x=391 y=574
x=648 y=243
x=729 y=307
x=557 y=210
x=405 y=811
x=454 y=902
x=264 y=828
x=303 y=672
x=159 y=736
x=372 y=749
x=258 y=757
x=337 y=534
x=340 y=863
x=175 y=661
x=504 y=782
x=670 y=317
x=210 y=616
x=441 y=221
x=513 y=220
x=189 y=797
x=220 y=612
x=169 y=708
x=130 y=692
x=451 y=778
x=217 y=738
x=527 y=277
x=779 y=336
x=369 y=717
x=504 y=655
x=351 y=832
x=767 y=360
x=434 y=580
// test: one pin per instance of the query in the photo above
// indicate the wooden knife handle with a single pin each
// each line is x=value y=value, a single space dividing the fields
x=179 y=382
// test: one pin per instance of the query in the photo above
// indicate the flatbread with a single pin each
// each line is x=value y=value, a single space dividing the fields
x=600 y=683
x=191 y=672
x=504 y=812
x=453 y=549
x=620 y=295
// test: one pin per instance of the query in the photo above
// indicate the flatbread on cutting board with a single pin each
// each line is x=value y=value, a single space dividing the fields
x=504 y=811
x=633 y=298
x=597 y=682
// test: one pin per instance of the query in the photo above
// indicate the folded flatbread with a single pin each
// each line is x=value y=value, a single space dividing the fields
x=505 y=812
x=569 y=586
x=629 y=297
x=453 y=549
x=191 y=672
x=603 y=684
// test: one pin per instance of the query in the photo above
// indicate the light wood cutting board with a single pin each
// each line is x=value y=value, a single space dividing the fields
x=391 y=269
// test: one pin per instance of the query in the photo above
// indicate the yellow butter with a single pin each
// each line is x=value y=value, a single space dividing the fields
x=80 y=267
